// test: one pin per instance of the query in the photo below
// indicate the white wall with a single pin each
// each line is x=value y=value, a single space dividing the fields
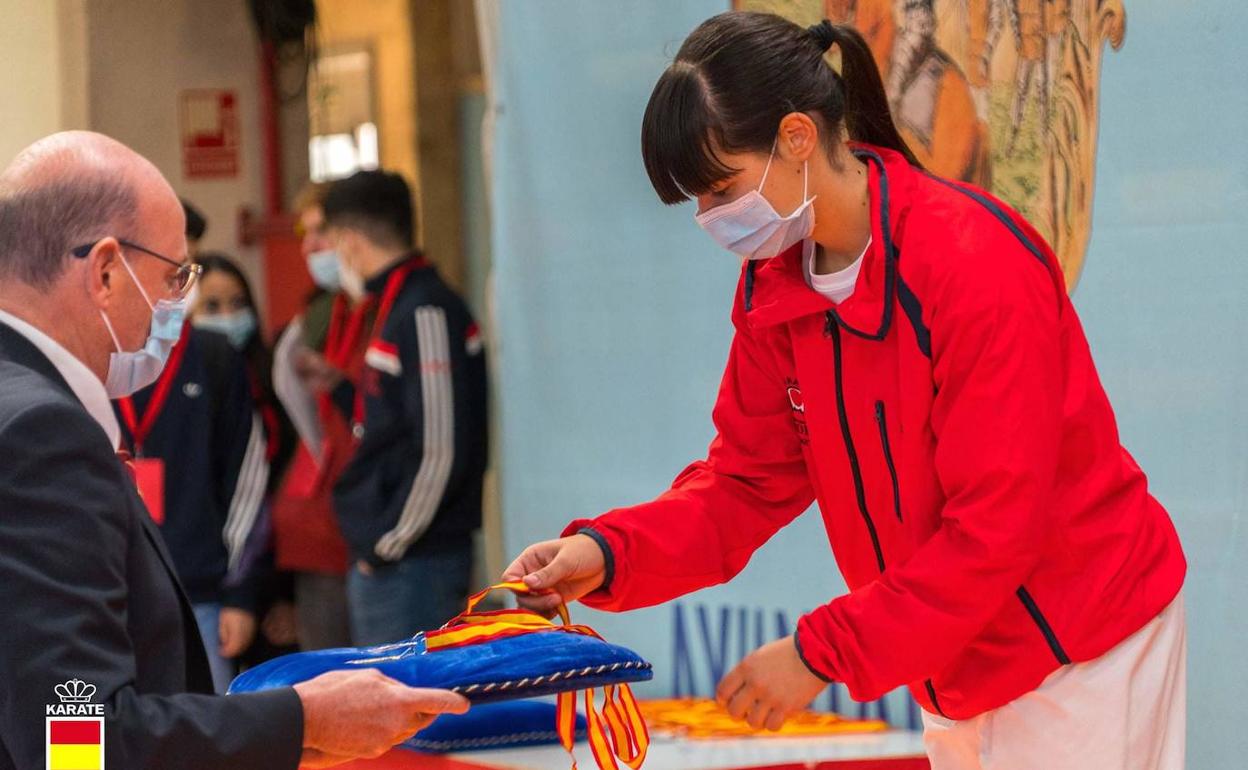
x=142 y=54
x=42 y=71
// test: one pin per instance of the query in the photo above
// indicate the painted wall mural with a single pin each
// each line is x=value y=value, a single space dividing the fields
x=1000 y=93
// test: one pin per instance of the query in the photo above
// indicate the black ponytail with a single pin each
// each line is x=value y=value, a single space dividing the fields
x=867 y=114
x=736 y=76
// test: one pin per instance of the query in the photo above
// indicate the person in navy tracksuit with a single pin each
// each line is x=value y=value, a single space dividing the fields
x=410 y=499
x=199 y=425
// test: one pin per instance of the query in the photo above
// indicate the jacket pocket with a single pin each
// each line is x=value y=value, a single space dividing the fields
x=881 y=419
x=1046 y=630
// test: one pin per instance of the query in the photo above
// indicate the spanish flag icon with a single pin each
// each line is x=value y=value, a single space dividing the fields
x=76 y=743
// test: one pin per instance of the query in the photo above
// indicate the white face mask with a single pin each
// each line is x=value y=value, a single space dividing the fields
x=750 y=227
x=238 y=326
x=324 y=269
x=131 y=371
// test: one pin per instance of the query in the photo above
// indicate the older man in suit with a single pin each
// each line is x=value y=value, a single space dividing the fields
x=92 y=267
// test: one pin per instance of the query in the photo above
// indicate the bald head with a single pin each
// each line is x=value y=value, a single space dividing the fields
x=71 y=189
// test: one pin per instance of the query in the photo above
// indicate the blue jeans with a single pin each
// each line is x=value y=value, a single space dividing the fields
x=208 y=617
x=417 y=593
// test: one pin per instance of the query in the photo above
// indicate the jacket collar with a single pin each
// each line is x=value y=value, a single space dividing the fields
x=377 y=284
x=775 y=290
x=16 y=348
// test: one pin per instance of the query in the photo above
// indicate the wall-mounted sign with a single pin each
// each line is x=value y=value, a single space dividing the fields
x=208 y=123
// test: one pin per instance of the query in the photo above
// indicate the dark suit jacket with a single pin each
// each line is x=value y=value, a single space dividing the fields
x=87 y=591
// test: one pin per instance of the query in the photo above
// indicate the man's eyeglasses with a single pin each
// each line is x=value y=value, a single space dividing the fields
x=182 y=281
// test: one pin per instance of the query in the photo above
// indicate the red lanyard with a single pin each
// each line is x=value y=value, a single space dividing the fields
x=394 y=284
x=141 y=428
x=344 y=334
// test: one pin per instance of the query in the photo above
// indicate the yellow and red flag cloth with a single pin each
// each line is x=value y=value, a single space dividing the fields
x=75 y=743
x=617 y=732
x=705 y=718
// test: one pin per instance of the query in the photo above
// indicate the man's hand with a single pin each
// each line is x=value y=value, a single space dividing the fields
x=362 y=714
x=279 y=625
x=317 y=374
x=237 y=629
x=558 y=571
x=769 y=685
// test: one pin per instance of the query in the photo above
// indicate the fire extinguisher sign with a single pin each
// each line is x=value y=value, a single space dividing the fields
x=208 y=120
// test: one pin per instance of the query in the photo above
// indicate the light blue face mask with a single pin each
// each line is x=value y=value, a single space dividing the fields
x=323 y=267
x=237 y=326
x=750 y=227
x=131 y=371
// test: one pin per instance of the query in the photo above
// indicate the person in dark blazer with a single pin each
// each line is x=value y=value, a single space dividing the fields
x=93 y=275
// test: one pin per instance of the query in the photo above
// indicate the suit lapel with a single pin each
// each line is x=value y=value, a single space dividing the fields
x=18 y=349
x=22 y=351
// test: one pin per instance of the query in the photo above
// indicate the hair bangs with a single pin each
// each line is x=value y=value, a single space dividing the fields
x=678 y=136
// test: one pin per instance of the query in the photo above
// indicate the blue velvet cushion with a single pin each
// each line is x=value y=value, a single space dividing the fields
x=492 y=726
x=510 y=668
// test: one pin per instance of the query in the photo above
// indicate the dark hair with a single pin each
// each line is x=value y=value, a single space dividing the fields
x=259 y=358
x=736 y=76
x=377 y=203
x=196 y=225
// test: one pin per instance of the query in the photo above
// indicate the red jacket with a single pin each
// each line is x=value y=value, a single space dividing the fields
x=949 y=421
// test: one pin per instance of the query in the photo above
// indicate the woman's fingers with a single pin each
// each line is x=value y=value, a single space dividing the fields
x=729 y=686
x=776 y=720
x=757 y=715
x=542 y=604
x=739 y=704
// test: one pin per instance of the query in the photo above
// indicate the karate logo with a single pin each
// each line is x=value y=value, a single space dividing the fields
x=1003 y=94
x=75 y=728
x=797 y=403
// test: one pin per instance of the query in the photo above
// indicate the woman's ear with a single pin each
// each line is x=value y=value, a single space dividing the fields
x=798 y=138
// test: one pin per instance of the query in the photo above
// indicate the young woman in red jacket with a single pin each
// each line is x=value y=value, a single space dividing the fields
x=905 y=355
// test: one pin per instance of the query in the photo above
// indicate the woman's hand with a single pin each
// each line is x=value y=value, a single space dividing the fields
x=769 y=686
x=558 y=572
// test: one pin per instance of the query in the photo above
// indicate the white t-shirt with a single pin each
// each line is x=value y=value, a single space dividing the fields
x=836 y=286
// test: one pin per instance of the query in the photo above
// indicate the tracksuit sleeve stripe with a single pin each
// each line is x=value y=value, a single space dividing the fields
x=248 y=495
x=438 y=412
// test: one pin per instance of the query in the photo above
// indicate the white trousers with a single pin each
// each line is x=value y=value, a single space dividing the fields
x=1125 y=710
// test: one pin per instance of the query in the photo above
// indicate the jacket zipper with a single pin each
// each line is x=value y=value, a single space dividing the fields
x=1033 y=609
x=859 y=490
x=833 y=330
x=882 y=421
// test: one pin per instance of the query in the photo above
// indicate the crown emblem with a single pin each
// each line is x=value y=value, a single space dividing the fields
x=75 y=691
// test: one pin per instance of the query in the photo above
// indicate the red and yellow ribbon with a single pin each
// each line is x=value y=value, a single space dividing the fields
x=618 y=732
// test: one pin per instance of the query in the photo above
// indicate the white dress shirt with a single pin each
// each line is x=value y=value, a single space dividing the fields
x=86 y=386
